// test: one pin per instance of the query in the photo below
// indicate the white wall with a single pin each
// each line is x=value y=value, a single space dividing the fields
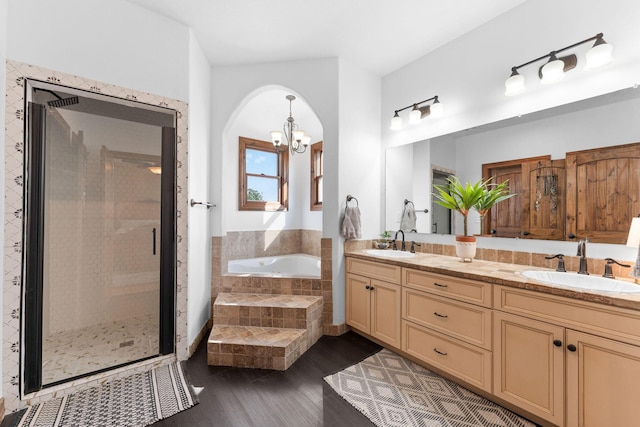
x=358 y=167
x=123 y=44
x=267 y=111
x=116 y=42
x=199 y=257
x=4 y=6
x=314 y=82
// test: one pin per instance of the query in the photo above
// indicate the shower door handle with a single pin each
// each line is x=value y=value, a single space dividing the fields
x=154 y=240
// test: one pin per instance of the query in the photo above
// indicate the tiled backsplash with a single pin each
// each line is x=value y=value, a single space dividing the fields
x=572 y=263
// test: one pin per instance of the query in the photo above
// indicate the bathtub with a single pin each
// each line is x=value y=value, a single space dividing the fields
x=295 y=265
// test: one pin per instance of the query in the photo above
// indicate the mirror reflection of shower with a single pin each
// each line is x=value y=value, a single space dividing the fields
x=441 y=216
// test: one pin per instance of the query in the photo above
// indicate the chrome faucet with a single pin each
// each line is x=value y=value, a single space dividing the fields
x=396 y=238
x=582 y=253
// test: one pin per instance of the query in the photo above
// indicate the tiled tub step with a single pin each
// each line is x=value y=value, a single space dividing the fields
x=277 y=311
x=255 y=347
x=263 y=330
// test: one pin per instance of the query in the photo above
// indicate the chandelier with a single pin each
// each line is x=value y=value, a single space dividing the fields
x=296 y=140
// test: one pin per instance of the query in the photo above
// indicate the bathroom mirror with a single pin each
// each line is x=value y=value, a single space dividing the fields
x=602 y=121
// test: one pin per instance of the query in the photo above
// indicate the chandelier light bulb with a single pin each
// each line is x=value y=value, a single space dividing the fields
x=306 y=140
x=276 y=137
x=298 y=135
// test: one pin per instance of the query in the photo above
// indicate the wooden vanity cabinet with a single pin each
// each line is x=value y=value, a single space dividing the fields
x=528 y=365
x=567 y=361
x=372 y=304
x=442 y=328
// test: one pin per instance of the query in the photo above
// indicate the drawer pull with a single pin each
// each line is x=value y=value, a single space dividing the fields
x=557 y=343
x=367 y=287
x=439 y=352
x=572 y=347
x=440 y=285
x=444 y=316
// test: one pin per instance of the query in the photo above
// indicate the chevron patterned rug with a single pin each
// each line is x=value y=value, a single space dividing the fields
x=394 y=392
x=137 y=400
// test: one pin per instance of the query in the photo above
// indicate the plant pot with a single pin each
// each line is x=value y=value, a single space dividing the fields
x=466 y=248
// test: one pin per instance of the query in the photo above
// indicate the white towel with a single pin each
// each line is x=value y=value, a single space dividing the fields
x=351 y=228
x=408 y=220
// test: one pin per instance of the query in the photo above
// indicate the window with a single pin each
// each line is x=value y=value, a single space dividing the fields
x=263 y=177
x=316 y=176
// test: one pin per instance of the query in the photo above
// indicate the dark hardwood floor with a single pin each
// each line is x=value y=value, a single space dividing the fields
x=297 y=397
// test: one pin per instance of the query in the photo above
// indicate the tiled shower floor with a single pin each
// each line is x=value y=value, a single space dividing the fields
x=81 y=351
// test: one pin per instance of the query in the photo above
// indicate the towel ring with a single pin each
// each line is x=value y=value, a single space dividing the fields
x=350 y=198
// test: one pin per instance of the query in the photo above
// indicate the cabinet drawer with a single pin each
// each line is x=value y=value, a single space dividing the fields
x=465 y=361
x=603 y=320
x=471 y=291
x=467 y=322
x=376 y=270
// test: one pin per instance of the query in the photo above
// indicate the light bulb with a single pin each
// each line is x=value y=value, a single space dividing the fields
x=599 y=55
x=553 y=70
x=437 y=109
x=415 y=115
x=396 y=122
x=276 y=137
x=514 y=84
x=297 y=135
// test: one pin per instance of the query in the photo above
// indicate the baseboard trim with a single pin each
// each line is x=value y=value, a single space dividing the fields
x=194 y=345
x=1 y=408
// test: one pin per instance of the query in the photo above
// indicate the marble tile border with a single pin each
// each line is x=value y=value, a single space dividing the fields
x=16 y=72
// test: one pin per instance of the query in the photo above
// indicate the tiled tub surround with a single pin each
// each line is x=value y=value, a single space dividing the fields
x=225 y=283
x=14 y=192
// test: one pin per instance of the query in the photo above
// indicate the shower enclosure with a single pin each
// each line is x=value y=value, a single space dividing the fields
x=99 y=228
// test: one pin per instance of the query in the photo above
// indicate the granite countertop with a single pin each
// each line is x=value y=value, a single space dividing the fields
x=502 y=274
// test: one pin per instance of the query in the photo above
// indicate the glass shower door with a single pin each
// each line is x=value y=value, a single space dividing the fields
x=101 y=234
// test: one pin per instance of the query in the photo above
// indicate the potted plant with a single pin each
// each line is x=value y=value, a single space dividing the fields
x=461 y=198
x=491 y=194
x=384 y=243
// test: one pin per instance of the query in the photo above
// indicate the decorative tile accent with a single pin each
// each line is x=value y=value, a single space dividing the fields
x=13 y=203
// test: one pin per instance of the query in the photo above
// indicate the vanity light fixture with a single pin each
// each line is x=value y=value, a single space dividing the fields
x=417 y=113
x=598 y=56
x=297 y=141
x=634 y=241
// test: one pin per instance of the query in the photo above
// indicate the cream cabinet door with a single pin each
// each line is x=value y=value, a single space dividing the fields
x=528 y=365
x=358 y=302
x=385 y=312
x=603 y=381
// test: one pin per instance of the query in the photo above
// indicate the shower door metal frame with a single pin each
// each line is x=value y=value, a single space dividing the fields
x=33 y=230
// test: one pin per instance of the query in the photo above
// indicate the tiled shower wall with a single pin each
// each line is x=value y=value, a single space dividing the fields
x=13 y=222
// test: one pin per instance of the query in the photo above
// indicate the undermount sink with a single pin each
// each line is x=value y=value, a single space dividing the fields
x=581 y=281
x=390 y=253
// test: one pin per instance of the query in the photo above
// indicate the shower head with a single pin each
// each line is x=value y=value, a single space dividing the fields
x=63 y=102
x=59 y=102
